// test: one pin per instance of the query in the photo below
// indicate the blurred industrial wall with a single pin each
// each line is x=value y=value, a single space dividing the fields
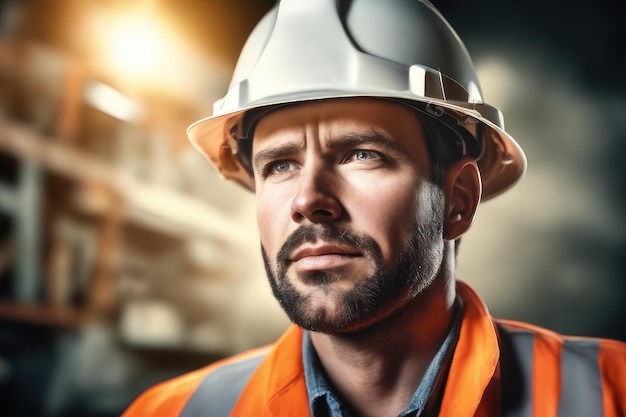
x=125 y=260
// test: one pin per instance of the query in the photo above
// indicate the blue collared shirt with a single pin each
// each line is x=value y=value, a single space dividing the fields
x=323 y=402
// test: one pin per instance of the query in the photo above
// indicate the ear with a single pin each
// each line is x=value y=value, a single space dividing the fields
x=463 y=189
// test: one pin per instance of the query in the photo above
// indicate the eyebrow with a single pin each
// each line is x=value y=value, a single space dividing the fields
x=275 y=152
x=349 y=140
x=355 y=139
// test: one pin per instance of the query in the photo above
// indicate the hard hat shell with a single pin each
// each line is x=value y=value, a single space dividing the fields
x=403 y=50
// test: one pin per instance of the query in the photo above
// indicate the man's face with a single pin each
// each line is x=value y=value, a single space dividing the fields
x=350 y=224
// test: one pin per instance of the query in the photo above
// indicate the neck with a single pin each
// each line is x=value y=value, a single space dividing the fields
x=377 y=370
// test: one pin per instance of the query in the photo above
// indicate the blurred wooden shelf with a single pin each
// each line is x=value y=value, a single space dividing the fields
x=147 y=203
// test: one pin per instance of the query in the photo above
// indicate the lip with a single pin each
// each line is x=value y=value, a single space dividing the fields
x=322 y=257
x=323 y=249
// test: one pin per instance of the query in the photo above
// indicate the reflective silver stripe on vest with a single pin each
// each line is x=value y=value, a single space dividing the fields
x=218 y=392
x=581 y=382
x=516 y=367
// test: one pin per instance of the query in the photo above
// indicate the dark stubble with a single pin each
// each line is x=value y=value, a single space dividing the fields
x=370 y=296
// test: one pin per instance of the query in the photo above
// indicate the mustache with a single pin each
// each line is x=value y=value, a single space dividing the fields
x=328 y=233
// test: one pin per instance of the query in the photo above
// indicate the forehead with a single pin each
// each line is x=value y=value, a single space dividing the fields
x=336 y=117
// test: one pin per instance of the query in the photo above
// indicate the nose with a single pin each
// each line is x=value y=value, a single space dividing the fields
x=316 y=199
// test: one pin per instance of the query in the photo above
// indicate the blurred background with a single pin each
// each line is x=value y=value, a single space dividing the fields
x=125 y=260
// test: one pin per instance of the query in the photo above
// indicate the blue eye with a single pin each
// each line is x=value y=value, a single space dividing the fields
x=280 y=167
x=363 y=155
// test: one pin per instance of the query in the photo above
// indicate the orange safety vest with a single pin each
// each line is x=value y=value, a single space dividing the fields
x=499 y=368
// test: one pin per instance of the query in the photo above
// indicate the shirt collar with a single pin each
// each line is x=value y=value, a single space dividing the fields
x=324 y=402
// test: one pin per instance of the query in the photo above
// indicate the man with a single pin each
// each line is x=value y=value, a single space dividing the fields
x=361 y=129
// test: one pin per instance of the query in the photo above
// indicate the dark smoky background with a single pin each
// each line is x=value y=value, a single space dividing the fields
x=551 y=251
x=125 y=260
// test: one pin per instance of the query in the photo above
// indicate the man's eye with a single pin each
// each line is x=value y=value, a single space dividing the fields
x=362 y=155
x=280 y=167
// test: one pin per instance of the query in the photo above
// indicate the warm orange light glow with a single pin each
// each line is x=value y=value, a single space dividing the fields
x=137 y=45
x=138 y=49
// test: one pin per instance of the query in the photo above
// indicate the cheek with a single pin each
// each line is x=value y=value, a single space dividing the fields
x=272 y=220
x=387 y=211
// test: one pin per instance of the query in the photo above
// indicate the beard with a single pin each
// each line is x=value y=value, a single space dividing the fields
x=370 y=298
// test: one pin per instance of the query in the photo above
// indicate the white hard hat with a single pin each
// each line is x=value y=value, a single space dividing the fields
x=403 y=50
